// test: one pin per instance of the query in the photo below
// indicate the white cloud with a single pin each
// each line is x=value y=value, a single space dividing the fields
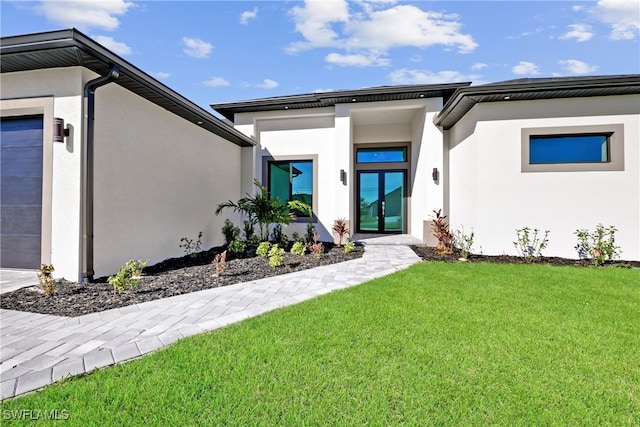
x=577 y=8
x=573 y=66
x=373 y=29
x=314 y=21
x=162 y=75
x=267 y=84
x=111 y=44
x=248 y=15
x=479 y=66
x=356 y=60
x=526 y=68
x=407 y=76
x=622 y=15
x=196 y=48
x=580 y=32
x=85 y=14
x=216 y=82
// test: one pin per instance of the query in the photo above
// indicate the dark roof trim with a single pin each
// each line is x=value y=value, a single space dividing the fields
x=531 y=89
x=330 y=99
x=68 y=48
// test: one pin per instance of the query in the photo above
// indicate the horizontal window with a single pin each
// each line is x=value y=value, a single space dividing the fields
x=292 y=180
x=580 y=148
x=551 y=149
x=381 y=155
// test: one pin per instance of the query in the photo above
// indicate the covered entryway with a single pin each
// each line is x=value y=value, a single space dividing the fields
x=21 y=183
x=381 y=190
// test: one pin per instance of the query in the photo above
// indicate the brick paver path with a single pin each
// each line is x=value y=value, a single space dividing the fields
x=37 y=349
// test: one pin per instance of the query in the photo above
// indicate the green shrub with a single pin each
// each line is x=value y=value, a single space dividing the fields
x=191 y=246
x=530 y=245
x=248 y=229
x=276 y=256
x=598 y=246
x=463 y=242
x=298 y=248
x=349 y=247
x=230 y=231
x=263 y=249
x=237 y=246
x=127 y=277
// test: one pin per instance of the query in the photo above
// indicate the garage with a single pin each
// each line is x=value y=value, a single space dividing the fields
x=21 y=200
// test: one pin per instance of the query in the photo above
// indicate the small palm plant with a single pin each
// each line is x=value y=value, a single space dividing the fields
x=263 y=210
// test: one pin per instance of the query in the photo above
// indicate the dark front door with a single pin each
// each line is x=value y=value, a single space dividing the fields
x=381 y=196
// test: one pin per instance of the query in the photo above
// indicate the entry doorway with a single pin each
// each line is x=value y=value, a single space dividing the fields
x=381 y=204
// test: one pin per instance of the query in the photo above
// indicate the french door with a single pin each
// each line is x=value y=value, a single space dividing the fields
x=381 y=201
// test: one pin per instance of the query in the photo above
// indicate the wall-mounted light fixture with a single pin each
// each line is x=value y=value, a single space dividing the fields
x=343 y=177
x=59 y=132
x=435 y=174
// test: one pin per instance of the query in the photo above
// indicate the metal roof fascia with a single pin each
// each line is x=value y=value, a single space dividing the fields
x=74 y=38
x=520 y=88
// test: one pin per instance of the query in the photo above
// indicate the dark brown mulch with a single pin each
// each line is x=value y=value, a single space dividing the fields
x=171 y=277
x=431 y=254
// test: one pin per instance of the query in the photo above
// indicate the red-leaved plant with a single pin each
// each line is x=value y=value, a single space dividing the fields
x=341 y=228
x=440 y=229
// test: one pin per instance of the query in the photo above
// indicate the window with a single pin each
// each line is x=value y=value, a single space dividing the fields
x=573 y=148
x=291 y=180
x=549 y=149
x=381 y=155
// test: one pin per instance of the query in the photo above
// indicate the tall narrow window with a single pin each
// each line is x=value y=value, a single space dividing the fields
x=292 y=180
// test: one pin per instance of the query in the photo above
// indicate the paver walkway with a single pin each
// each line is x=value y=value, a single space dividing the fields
x=37 y=349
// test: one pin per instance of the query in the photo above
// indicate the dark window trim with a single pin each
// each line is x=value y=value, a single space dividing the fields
x=267 y=160
x=616 y=148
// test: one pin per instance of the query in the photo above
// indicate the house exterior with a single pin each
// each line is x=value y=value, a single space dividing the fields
x=102 y=163
x=553 y=154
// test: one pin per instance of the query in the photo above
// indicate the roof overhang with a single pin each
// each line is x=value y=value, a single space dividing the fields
x=534 y=89
x=70 y=48
x=330 y=99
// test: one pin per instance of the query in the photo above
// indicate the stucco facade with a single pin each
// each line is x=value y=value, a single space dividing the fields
x=160 y=163
x=467 y=155
x=330 y=137
x=489 y=191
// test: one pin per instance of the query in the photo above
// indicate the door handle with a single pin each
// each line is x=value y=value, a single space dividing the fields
x=383 y=208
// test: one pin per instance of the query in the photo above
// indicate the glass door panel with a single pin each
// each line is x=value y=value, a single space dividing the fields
x=393 y=202
x=369 y=185
x=381 y=196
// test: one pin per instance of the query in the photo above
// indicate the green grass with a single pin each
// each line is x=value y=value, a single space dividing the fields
x=437 y=344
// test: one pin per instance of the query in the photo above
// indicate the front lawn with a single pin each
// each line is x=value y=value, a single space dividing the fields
x=437 y=344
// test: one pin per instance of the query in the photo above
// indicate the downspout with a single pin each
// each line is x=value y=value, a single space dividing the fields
x=89 y=93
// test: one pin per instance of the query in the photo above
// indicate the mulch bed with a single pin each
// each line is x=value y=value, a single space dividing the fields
x=431 y=254
x=174 y=276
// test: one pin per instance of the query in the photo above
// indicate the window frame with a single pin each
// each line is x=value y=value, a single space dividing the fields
x=615 y=148
x=266 y=178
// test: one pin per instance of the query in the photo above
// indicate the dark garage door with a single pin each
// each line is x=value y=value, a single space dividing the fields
x=21 y=201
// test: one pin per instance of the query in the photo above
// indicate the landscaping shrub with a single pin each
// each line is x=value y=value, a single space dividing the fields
x=440 y=229
x=529 y=244
x=463 y=242
x=191 y=246
x=298 y=248
x=349 y=247
x=45 y=277
x=263 y=249
x=238 y=246
x=127 y=276
x=598 y=246
x=230 y=231
x=276 y=256
x=341 y=229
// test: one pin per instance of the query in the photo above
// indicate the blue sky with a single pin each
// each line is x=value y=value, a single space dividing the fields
x=221 y=51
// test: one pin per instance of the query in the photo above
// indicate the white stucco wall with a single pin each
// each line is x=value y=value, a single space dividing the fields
x=490 y=193
x=158 y=178
x=288 y=136
x=64 y=86
x=331 y=133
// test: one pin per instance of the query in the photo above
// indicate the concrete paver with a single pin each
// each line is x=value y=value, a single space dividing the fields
x=42 y=349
